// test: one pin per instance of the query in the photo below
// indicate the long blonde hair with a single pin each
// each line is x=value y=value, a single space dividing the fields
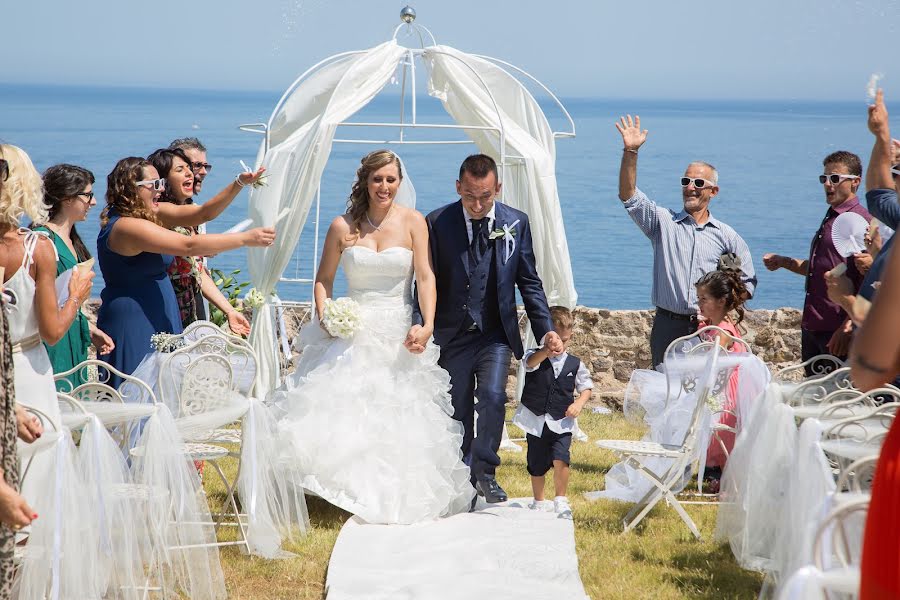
x=23 y=191
x=358 y=202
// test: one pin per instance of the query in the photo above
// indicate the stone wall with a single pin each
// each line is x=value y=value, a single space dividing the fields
x=612 y=343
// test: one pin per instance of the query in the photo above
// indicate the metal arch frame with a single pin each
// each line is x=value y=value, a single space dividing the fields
x=409 y=67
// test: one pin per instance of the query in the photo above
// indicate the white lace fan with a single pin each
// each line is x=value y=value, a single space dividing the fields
x=848 y=232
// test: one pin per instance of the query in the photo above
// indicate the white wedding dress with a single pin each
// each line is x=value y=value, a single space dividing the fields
x=367 y=425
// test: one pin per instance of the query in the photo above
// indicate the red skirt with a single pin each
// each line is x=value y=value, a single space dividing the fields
x=881 y=545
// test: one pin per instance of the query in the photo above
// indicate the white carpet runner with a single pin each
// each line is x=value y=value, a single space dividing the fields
x=498 y=552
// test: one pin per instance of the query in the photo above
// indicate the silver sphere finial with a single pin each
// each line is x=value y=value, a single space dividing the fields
x=408 y=15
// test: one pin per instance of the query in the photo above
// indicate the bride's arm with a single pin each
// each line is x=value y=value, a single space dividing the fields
x=425 y=280
x=331 y=257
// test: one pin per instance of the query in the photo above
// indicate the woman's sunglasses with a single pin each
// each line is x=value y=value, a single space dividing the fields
x=836 y=178
x=4 y=169
x=158 y=185
x=697 y=181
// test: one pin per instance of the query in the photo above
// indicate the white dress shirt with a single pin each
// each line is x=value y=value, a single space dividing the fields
x=531 y=423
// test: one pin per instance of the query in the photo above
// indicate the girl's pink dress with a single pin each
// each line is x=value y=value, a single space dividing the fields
x=715 y=456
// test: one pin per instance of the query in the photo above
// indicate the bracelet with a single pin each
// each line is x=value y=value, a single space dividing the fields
x=629 y=150
x=76 y=299
x=237 y=180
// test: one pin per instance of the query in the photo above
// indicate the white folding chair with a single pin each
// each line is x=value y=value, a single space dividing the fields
x=712 y=379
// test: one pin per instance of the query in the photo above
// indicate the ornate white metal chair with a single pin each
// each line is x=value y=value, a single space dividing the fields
x=96 y=394
x=710 y=380
x=207 y=385
x=819 y=365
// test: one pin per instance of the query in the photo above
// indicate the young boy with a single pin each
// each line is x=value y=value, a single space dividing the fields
x=547 y=412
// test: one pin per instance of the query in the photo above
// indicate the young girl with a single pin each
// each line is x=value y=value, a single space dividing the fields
x=719 y=294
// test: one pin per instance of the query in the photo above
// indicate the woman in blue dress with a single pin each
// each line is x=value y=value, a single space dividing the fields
x=134 y=252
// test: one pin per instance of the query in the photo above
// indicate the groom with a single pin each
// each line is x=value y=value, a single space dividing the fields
x=476 y=325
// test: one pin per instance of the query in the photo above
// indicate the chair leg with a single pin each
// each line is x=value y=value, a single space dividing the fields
x=229 y=490
x=662 y=489
x=673 y=501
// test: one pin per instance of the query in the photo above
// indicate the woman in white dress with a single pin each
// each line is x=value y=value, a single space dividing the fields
x=33 y=313
x=367 y=420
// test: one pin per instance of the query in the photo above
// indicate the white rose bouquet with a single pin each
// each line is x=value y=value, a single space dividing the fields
x=341 y=317
x=254 y=299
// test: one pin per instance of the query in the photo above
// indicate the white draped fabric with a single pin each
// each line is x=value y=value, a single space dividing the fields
x=529 y=181
x=300 y=143
x=300 y=139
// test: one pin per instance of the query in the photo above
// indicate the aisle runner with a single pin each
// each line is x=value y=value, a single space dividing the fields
x=498 y=552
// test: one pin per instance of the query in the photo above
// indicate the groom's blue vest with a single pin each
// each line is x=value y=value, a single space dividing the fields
x=483 y=306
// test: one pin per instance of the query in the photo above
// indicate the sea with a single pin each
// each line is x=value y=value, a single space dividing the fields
x=768 y=154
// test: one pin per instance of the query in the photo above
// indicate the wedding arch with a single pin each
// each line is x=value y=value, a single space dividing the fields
x=488 y=99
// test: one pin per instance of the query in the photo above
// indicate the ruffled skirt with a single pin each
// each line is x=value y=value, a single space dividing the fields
x=368 y=426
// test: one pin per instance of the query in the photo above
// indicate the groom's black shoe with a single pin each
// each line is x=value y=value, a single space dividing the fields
x=490 y=489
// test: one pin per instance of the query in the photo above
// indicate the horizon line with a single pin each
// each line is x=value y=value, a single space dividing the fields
x=273 y=91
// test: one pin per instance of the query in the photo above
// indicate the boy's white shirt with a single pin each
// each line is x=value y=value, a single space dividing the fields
x=531 y=423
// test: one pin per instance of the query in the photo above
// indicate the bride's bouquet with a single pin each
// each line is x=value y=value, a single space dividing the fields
x=341 y=317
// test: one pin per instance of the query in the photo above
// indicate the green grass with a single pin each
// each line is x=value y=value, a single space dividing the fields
x=660 y=559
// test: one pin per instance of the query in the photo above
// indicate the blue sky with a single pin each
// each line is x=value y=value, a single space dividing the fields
x=795 y=49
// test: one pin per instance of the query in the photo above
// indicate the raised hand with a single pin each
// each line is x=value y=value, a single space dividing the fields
x=249 y=177
x=632 y=136
x=259 y=236
x=878 y=115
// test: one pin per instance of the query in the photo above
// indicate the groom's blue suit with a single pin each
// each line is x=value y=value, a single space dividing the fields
x=476 y=324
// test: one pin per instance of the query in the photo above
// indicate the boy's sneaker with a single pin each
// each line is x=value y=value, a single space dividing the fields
x=562 y=508
x=542 y=505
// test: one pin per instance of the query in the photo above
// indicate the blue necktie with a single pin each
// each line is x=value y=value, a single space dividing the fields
x=478 y=246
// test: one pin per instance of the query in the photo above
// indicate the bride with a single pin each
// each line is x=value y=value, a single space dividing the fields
x=367 y=420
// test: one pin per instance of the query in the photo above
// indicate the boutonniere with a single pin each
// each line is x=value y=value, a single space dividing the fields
x=497 y=233
x=508 y=234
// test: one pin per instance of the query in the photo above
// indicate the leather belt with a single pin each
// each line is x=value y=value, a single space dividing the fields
x=677 y=316
x=28 y=343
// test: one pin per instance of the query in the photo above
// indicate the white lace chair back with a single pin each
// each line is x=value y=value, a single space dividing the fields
x=96 y=387
x=200 y=377
x=818 y=389
x=819 y=365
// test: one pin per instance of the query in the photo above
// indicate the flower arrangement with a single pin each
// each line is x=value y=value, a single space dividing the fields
x=254 y=299
x=165 y=342
x=341 y=317
x=715 y=402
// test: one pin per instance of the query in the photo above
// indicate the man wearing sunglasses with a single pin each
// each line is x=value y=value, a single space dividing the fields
x=686 y=244
x=882 y=184
x=825 y=328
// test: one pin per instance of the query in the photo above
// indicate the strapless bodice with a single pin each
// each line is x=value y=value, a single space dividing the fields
x=384 y=276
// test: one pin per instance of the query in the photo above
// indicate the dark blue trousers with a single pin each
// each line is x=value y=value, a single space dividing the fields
x=478 y=365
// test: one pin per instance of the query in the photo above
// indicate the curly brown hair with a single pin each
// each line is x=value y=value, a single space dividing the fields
x=358 y=202
x=727 y=284
x=122 y=192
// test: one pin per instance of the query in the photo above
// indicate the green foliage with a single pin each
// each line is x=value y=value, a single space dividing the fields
x=231 y=289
